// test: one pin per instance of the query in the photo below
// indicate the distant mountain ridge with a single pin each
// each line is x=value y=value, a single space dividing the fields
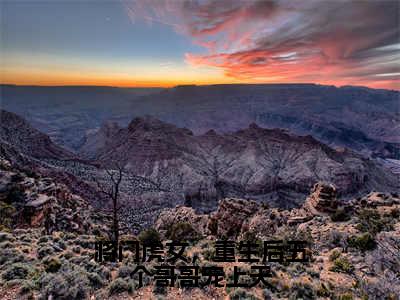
x=363 y=119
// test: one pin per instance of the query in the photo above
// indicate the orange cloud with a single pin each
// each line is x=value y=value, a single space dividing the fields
x=334 y=42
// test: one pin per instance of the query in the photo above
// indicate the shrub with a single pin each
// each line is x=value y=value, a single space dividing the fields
x=70 y=282
x=7 y=212
x=209 y=253
x=213 y=226
x=104 y=272
x=323 y=291
x=286 y=234
x=93 y=267
x=45 y=251
x=340 y=215
x=26 y=238
x=6 y=245
x=95 y=280
x=78 y=260
x=97 y=231
x=363 y=242
x=27 y=286
x=4 y=228
x=371 y=221
x=85 y=242
x=337 y=238
x=334 y=255
x=313 y=273
x=149 y=237
x=395 y=213
x=52 y=265
x=5 y=236
x=16 y=271
x=70 y=236
x=301 y=290
x=159 y=289
x=118 y=286
x=240 y=294
x=76 y=249
x=61 y=245
x=346 y=297
x=342 y=265
x=182 y=231
x=10 y=256
x=67 y=254
x=125 y=271
x=44 y=239
x=267 y=294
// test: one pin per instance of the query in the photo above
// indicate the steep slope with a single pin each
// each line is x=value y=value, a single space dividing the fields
x=96 y=139
x=26 y=197
x=32 y=151
x=15 y=131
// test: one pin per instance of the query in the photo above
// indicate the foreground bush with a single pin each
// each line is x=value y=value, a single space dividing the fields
x=118 y=286
x=7 y=212
x=10 y=256
x=334 y=255
x=52 y=265
x=372 y=222
x=16 y=271
x=363 y=242
x=95 y=280
x=70 y=282
x=240 y=294
x=182 y=232
x=149 y=237
x=342 y=265
x=45 y=251
x=300 y=290
x=340 y=215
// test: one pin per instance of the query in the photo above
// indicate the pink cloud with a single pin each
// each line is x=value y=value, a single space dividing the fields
x=336 y=42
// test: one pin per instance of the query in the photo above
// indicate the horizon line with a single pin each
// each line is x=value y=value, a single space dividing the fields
x=197 y=85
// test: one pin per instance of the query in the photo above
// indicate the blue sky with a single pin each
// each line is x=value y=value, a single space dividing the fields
x=53 y=42
x=85 y=29
x=165 y=43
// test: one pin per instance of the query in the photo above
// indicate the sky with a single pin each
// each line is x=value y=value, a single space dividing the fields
x=167 y=43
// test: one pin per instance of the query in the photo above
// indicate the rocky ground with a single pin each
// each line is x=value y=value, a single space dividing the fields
x=48 y=233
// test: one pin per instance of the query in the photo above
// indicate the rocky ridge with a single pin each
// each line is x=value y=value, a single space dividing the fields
x=30 y=200
x=273 y=166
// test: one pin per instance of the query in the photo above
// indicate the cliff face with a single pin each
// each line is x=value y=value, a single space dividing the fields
x=18 y=133
x=33 y=151
x=257 y=163
x=96 y=139
x=30 y=200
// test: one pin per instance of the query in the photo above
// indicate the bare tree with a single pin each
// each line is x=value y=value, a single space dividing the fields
x=112 y=191
x=121 y=184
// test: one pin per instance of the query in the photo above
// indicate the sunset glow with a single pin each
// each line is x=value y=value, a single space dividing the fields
x=167 y=43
